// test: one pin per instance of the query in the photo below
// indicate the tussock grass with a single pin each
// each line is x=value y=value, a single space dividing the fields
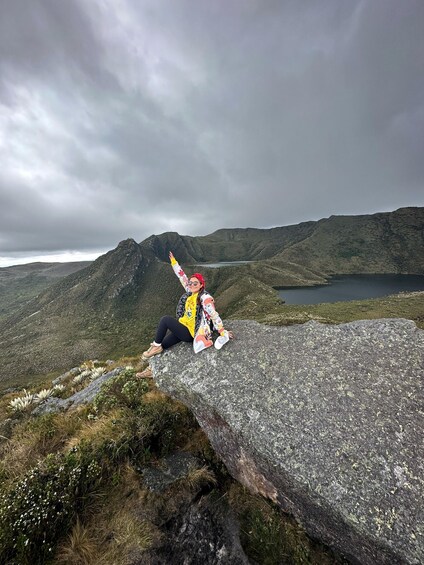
x=154 y=396
x=198 y=478
x=129 y=531
x=107 y=427
x=113 y=543
x=116 y=531
x=80 y=547
x=34 y=438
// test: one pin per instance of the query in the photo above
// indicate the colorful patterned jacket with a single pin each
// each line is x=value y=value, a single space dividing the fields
x=206 y=315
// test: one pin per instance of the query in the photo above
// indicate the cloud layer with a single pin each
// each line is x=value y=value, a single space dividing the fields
x=123 y=118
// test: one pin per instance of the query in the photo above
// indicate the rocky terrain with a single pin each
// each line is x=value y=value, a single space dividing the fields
x=326 y=421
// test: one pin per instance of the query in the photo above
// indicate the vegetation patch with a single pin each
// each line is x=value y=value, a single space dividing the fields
x=36 y=510
x=55 y=466
x=271 y=537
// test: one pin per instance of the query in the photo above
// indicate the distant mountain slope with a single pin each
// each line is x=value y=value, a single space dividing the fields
x=48 y=270
x=21 y=283
x=107 y=306
x=112 y=306
x=380 y=243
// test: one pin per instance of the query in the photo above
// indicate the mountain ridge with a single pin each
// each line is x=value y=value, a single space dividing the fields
x=243 y=244
x=112 y=305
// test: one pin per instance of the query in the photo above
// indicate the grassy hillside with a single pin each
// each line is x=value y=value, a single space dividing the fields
x=402 y=305
x=91 y=313
x=20 y=283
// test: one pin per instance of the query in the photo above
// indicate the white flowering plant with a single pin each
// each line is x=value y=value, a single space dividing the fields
x=43 y=394
x=97 y=372
x=78 y=379
x=21 y=403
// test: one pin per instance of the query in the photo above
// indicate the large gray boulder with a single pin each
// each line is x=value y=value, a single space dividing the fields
x=327 y=421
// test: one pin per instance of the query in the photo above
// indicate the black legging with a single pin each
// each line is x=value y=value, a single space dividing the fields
x=178 y=332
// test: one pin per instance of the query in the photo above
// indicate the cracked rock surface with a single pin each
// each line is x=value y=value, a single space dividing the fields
x=327 y=421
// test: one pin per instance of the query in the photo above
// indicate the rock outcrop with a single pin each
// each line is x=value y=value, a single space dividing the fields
x=84 y=396
x=198 y=527
x=326 y=421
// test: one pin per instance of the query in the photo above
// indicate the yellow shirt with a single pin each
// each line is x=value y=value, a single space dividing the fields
x=189 y=318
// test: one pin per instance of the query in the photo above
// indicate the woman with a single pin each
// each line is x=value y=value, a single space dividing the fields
x=195 y=315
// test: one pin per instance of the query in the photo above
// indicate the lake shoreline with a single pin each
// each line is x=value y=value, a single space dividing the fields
x=342 y=288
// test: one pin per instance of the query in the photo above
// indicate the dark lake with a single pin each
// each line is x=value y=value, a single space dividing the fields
x=353 y=287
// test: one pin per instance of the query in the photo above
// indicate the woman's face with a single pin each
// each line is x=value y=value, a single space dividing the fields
x=194 y=284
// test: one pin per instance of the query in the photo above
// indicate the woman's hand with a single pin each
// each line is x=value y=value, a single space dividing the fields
x=226 y=332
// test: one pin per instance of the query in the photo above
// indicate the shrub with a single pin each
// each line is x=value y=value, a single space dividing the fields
x=198 y=478
x=124 y=390
x=166 y=423
x=36 y=510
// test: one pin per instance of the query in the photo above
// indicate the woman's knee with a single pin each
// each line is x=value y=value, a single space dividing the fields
x=165 y=321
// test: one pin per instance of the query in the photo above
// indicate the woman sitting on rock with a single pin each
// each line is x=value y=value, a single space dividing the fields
x=195 y=315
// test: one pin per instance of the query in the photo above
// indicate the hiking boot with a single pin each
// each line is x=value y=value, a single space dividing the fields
x=146 y=374
x=152 y=351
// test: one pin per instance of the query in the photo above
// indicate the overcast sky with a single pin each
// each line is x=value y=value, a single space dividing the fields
x=123 y=118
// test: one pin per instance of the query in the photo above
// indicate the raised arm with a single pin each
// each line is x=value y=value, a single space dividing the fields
x=182 y=277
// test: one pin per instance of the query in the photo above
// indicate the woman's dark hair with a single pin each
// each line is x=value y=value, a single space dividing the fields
x=199 y=294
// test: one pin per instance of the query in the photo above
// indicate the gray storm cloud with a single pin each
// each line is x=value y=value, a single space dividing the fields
x=122 y=119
